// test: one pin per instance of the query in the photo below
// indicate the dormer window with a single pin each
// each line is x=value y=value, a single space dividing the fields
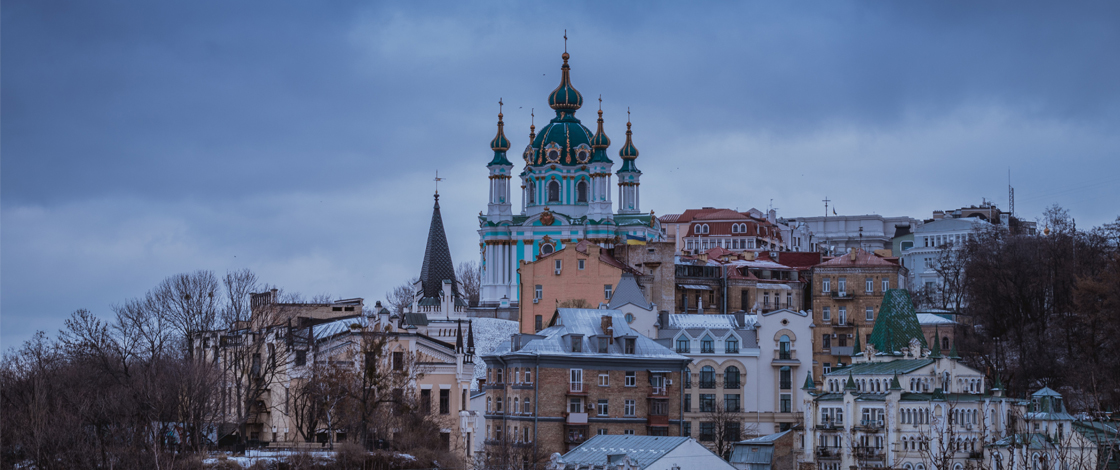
x=577 y=343
x=604 y=343
x=683 y=345
x=707 y=345
x=629 y=345
x=583 y=153
x=552 y=152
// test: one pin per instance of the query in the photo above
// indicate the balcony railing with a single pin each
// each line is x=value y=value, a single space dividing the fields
x=844 y=351
x=785 y=355
x=659 y=391
x=871 y=424
x=867 y=452
x=577 y=418
x=842 y=295
x=708 y=384
x=576 y=387
x=828 y=452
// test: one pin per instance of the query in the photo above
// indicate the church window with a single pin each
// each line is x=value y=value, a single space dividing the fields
x=553 y=191
x=581 y=191
x=546 y=249
x=532 y=192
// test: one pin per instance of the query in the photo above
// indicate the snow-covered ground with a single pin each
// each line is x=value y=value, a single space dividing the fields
x=488 y=334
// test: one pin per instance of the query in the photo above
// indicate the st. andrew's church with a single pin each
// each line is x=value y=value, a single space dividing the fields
x=565 y=196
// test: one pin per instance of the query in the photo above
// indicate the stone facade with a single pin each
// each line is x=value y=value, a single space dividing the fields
x=844 y=306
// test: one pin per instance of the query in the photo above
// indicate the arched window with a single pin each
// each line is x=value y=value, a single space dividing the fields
x=707 y=377
x=697 y=229
x=532 y=192
x=581 y=191
x=553 y=191
x=945 y=342
x=731 y=377
x=734 y=228
x=706 y=229
x=783 y=347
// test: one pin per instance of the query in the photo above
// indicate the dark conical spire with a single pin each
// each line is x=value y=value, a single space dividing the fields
x=851 y=384
x=897 y=323
x=953 y=354
x=809 y=385
x=437 y=260
x=470 y=337
x=459 y=337
x=857 y=348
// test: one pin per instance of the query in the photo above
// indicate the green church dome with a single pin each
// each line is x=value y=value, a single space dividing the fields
x=500 y=144
x=564 y=140
x=565 y=97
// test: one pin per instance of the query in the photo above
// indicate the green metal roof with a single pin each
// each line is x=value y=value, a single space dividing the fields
x=897 y=366
x=897 y=323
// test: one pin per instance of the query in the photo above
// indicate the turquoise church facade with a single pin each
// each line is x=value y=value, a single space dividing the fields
x=566 y=186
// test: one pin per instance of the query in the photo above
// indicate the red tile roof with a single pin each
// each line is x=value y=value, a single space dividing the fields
x=862 y=258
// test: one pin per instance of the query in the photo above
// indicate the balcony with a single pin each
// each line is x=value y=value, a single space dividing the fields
x=659 y=392
x=576 y=434
x=577 y=418
x=842 y=295
x=708 y=384
x=872 y=425
x=868 y=453
x=828 y=453
x=829 y=426
x=844 y=351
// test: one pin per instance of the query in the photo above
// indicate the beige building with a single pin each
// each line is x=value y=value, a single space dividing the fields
x=847 y=293
x=578 y=272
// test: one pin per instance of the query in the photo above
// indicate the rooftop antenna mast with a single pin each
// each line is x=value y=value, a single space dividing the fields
x=826 y=201
x=1010 y=194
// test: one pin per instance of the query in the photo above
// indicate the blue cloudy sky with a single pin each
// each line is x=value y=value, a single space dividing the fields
x=144 y=139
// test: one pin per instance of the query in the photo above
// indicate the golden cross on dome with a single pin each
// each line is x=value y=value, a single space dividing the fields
x=499 y=106
x=437 y=180
x=565 y=40
x=600 y=102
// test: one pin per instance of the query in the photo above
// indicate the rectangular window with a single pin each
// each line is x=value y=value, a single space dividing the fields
x=870 y=314
x=602 y=432
x=628 y=432
x=731 y=403
x=785 y=379
x=602 y=407
x=731 y=346
x=826 y=341
x=827 y=315
x=558 y=266
x=631 y=408
x=577 y=344
x=765 y=300
x=301 y=358
x=538 y=293
x=686 y=428
x=607 y=291
x=444 y=401
x=842 y=285
x=539 y=323
x=826 y=285
x=398 y=360
x=425 y=401
x=528 y=376
x=575 y=405
x=886 y=284
x=576 y=380
x=683 y=344
x=707 y=431
x=731 y=431
x=744 y=300
x=603 y=344
x=707 y=402
x=604 y=380
x=687 y=402
x=842 y=341
x=631 y=379
x=659 y=407
x=629 y=342
x=527 y=406
x=786 y=403
x=827 y=367
x=870 y=285
x=789 y=300
x=580 y=264
x=843 y=315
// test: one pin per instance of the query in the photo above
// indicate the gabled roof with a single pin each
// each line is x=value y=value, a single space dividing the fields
x=642 y=450
x=437 y=266
x=585 y=322
x=628 y=292
x=721 y=214
x=692 y=321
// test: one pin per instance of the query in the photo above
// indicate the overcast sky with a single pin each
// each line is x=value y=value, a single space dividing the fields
x=141 y=140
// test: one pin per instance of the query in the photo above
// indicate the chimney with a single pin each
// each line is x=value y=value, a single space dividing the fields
x=663 y=319
x=605 y=323
x=853 y=255
x=741 y=318
x=275 y=294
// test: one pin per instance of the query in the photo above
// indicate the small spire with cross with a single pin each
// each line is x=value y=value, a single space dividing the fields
x=437 y=180
x=565 y=40
x=826 y=201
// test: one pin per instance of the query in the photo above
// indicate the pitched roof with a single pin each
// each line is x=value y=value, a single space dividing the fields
x=721 y=214
x=586 y=322
x=628 y=292
x=693 y=321
x=438 y=266
x=862 y=258
x=897 y=323
x=897 y=366
x=642 y=450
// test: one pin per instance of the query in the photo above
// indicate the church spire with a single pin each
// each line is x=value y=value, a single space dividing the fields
x=438 y=266
x=565 y=98
x=500 y=143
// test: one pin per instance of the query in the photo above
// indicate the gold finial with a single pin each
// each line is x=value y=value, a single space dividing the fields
x=627 y=119
x=500 y=109
x=532 y=125
x=565 y=41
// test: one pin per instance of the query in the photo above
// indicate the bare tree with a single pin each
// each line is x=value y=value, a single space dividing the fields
x=727 y=427
x=574 y=303
x=190 y=302
x=401 y=297
x=470 y=281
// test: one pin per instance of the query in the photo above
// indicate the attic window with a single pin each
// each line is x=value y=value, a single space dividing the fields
x=577 y=344
x=603 y=343
x=336 y=309
x=629 y=342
